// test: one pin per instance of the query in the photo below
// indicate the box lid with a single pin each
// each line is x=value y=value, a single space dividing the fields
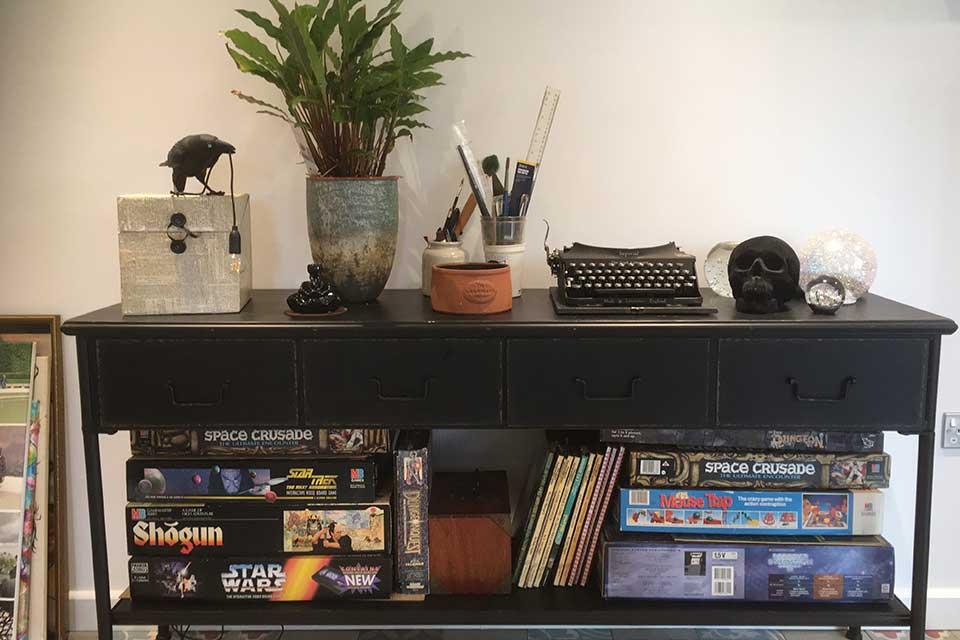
x=151 y=212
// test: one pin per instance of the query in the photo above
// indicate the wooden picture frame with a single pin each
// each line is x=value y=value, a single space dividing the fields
x=45 y=330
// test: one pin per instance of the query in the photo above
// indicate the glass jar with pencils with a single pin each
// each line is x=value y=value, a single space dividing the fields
x=503 y=241
x=439 y=252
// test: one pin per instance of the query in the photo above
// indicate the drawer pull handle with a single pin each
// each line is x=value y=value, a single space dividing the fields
x=382 y=396
x=584 y=392
x=844 y=388
x=197 y=403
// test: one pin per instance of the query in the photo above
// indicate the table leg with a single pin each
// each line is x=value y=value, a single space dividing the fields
x=98 y=536
x=926 y=448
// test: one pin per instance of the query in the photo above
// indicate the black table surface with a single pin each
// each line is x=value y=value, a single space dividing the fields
x=408 y=307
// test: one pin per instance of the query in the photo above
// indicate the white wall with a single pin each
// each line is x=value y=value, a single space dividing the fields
x=692 y=121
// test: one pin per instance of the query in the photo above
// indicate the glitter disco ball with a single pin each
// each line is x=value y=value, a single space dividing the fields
x=715 y=268
x=843 y=255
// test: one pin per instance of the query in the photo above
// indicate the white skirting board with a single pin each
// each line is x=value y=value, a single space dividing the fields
x=943 y=611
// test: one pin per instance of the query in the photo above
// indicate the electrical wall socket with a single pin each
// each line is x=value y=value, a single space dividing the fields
x=951 y=431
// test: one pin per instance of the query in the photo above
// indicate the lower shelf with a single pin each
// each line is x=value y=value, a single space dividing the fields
x=526 y=608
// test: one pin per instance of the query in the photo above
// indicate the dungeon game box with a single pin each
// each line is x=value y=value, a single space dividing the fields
x=412 y=498
x=677 y=468
x=741 y=512
x=245 y=528
x=257 y=441
x=276 y=579
x=651 y=566
x=757 y=439
x=263 y=479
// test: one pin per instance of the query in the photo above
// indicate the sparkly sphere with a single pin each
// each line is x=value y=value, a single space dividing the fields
x=843 y=255
x=197 y=479
x=825 y=294
x=715 y=268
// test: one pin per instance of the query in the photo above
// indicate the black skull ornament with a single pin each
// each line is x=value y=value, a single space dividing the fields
x=764 y=274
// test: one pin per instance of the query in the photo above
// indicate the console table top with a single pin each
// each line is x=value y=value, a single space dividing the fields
x=409 y=308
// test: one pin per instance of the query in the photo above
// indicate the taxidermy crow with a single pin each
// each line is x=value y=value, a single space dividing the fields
x=195 y=156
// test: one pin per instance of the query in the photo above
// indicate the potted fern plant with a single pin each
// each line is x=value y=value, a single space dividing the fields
x=349 y=98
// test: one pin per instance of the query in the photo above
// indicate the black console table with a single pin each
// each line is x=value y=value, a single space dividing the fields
x=396 y=363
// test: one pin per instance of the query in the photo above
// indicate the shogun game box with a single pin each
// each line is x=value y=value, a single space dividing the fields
x=257 y=441
x=651 y=566
x=277 y=579
x=675 y=468
x=306 y=480
x=244 y=528
x=757 y=439
x=739 y=512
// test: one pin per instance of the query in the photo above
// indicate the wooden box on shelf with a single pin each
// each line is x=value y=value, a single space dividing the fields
x=470 y=533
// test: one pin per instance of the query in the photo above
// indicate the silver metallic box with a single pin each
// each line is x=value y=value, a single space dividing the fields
x=204 y=278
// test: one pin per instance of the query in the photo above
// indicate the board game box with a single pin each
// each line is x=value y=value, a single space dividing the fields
x=677 y=468
x=257 y=441
x=244 y=528
x=276 y=579
x=412 y=498
x=651 y=566
x=740 y=512
x=264 y=479
x=758 y=439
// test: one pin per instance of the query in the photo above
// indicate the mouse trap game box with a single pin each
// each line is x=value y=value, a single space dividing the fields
x=740 y=512
x=275 y=579
x=310 y=480
x=651 y=566
x=676 y=468
x=245 y=528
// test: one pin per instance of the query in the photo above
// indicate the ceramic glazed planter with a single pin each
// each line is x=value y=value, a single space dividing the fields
x=353 y=232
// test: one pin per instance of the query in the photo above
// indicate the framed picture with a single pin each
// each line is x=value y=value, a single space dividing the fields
x=33 y=544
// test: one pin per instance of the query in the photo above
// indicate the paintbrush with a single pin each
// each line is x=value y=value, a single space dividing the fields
x=465 y=214
x=491 y=167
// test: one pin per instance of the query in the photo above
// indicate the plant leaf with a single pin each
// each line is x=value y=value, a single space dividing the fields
x=258 y=102
x=253 y=48
x=247 y=65
x=268 y=27
x=397 y=48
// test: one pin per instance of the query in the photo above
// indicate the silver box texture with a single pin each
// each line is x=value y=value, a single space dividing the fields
x=203 y=279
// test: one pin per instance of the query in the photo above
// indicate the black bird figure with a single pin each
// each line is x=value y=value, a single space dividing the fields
x=194 y=156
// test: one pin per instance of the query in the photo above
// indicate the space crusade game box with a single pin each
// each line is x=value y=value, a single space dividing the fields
x=257 y=441
x=742 y=512
x=804 y=441
x=669 y=467
x=791 y=569
x=237 y=479
x=246 y=528
x=292 y=579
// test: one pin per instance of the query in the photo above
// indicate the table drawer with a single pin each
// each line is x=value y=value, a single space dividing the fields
x=194 y=382
x=608 y=382
x=824 y=383
x=437 y=382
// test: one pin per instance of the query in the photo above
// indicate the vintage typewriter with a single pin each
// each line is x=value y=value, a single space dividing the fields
x=607 y=280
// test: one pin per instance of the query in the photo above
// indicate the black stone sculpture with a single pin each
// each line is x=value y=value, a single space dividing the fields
x=194 y=157
x=316 y=295
x=764 y=274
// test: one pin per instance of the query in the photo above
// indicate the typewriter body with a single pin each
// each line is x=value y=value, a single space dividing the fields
x=653 y=277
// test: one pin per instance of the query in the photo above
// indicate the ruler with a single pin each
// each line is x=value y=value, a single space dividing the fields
x=548 y=108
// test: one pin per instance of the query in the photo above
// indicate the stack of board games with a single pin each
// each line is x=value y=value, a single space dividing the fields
x=566 y=516
x=268 y=514
x=749 y=515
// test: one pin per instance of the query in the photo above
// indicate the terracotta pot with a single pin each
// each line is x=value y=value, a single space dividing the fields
x=353 y=232
x=471 y=288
